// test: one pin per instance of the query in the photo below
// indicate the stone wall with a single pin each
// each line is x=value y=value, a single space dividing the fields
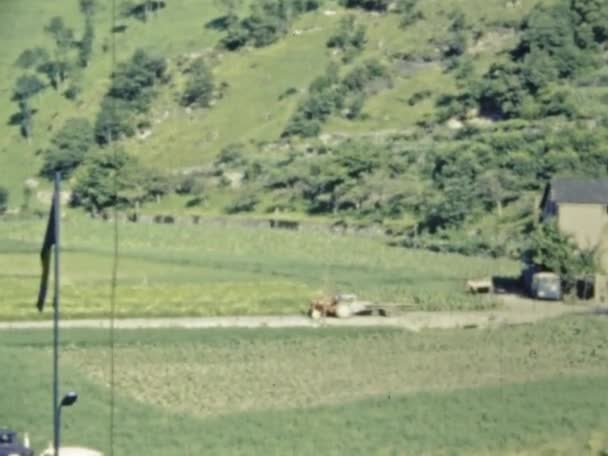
x=269 y=223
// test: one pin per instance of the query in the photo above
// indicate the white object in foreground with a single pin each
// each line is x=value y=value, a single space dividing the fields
x=71 y=451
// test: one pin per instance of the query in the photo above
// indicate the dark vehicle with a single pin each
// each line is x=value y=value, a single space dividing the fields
x=546 y=285
x=10 y=445
x=542 y=284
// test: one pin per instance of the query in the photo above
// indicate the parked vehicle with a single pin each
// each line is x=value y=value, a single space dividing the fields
x=546 y=285
x=12 y=445
x=542 y=284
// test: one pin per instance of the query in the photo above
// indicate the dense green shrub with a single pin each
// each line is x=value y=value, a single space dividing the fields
x=69 y=147
x=231 y=155
x=112 y=178
x=269 y=20
x=245 y=203
x=328 y=95
x=3 y=199
x=368 y=5
x=362 y=75
x=349 y=38
x=551 y=250
x=200 y=86
x=409 y=13
x=130 y=93
x=558 y=42
x=325 y=96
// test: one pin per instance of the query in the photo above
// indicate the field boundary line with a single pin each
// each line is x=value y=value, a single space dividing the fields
x=413 y=321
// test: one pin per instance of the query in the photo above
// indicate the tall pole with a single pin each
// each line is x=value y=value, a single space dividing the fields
x=56 y=411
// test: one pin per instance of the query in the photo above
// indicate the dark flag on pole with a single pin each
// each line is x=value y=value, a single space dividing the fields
x=50 y=239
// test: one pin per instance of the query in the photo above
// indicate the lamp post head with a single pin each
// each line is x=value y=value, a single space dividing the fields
x=69 y=399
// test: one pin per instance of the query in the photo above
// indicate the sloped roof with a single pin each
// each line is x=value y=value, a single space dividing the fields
x=577 y=190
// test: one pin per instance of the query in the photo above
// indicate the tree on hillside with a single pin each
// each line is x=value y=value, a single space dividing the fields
x=134 y=80
x=199 y=89
x=130 y=94
x=501 y=91
x=87 y=7
x=153 y=6
x=85 y=47
x=551 y=250
x=75 y=87
x=495 y=187
x=61 y=34
x=455 y=42
x=358 y=79
x=26 y=87
x=328 y=95
x=229 y=6
x=325 y=96
x=369 y=5
x=32 y=58
x=52 y=70
x=409 y=13
x=450 y=206
x=113 y=121
x=267 y=22
x=57 y=69
x=236 y=37
x=141 y=10
x=591 y=18
x=69 y=147
x=3 y=199
x=24 y=119
x=114 y=178
x=551 y=31
x=349 y=38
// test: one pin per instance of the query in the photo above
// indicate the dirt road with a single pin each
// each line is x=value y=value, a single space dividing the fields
x=514 y=311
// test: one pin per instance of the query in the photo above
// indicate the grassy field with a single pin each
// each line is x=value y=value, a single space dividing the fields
x=204 y=270
x=533 y=390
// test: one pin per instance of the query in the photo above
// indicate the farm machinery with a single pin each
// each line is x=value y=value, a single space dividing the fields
x=343 y=306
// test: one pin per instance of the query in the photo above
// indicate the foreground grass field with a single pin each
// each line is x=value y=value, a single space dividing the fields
x=203 y=270
x=535 y=389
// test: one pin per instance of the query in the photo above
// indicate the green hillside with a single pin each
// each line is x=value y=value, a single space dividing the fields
x=256 y=77
x=434 y=118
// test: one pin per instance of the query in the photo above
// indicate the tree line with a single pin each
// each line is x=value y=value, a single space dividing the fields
x=559 y=43
x=267 y=22
x=59 y=68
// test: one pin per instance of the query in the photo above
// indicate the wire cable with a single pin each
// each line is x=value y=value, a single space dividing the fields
x=114 y=278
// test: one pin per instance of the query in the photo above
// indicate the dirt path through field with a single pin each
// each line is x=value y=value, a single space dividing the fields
x=514 y=311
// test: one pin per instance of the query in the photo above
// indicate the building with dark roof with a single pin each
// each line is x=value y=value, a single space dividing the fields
x=580 y=206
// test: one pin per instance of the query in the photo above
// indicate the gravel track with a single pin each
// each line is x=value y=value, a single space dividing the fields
x=515 y=311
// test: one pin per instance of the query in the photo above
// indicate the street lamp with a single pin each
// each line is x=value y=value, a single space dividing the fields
x=67 y=401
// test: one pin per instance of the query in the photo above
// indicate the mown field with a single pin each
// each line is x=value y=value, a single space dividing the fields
x=203 y=270
x=533 y=390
